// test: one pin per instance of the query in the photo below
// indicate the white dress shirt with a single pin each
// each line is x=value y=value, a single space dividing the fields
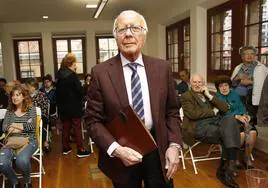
x=145 y=93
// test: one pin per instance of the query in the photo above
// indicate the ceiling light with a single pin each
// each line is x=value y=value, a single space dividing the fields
x=45 y=17
x=91 y=6
x=101 y=5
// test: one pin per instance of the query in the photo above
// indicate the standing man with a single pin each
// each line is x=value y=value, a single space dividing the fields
x=146 y=83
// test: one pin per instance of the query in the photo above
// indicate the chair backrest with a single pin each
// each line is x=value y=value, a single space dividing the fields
x=38 y=125
x=2 y=113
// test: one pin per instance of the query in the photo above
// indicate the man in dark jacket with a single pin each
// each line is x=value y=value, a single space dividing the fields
x=69 y=96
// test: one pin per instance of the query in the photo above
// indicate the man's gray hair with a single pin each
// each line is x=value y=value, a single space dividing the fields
x=130 y=11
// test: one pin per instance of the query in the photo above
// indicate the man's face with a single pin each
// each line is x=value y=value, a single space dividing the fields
x=183 y=76
x=130 y=35
x=197 y=84
x=224 y=88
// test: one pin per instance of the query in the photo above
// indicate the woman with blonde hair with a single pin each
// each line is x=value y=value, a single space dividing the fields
x=69 y=96
x=20 y=121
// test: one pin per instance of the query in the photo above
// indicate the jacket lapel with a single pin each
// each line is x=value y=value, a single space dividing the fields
x=116 y=75
x=153 y=85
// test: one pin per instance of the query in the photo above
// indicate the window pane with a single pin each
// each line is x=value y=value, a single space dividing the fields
x=175 y=36
x=216 y=42
x=103 y=44
x=264 y=37
x=187 y=49
x=62 y=45
x=265 y=10
x=215 y=61
x=227 y=20
x=175 y=50
x=253 y=12
x=186 y=32
x=227 y=36
x=112 y=44
x=226 y=60
x=186 y=63
x=216 y=23
x=23 y=47
x=169 y=37
x=33 y=46
x=264 y=59
x=76 y=45
x=60 y=56
x=253 y=33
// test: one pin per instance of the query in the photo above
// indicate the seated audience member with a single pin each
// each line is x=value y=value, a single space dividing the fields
x=248 y=132
x=183 y=86
x=40 y=100
x=50 y=91
x=3 y=98
x=10 y=85
x=247 y=80
x=202 y=122
x=262 y=115
x=20 y=121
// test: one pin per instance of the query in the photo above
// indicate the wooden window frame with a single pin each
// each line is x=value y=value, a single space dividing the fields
x=179 y=26
x=97 y=37
x=17 y=61
x=54 y=44
x=237 y=36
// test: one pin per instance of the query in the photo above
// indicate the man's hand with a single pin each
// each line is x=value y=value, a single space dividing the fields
x=127 y=155
x=172 y=161
x=206 y=93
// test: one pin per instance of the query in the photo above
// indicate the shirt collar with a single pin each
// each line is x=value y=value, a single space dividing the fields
x=125 y=61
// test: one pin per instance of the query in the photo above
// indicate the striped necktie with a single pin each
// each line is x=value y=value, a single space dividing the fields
x=137 y=101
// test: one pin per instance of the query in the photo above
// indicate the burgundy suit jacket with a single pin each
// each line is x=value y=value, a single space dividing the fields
x=107 y=95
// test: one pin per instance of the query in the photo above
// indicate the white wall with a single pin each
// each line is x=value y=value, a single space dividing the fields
x=46 y=29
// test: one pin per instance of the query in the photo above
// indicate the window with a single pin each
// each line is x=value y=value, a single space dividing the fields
x=256 y=27
x=64 y=45
x=178 y=46
x=224 y=38
x=106 y=48
x=28 y=58
x=1 y=61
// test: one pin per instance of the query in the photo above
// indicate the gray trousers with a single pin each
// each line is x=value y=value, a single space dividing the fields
x=222 y=130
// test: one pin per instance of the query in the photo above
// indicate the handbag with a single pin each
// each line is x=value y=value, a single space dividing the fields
x=16 y=143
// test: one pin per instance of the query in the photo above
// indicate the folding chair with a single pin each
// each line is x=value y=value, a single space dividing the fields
x=38 y=154
x=207 y=157
x=90 y=142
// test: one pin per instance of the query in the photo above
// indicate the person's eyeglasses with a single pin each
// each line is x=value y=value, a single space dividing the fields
x=134 y=30
x=248 y=53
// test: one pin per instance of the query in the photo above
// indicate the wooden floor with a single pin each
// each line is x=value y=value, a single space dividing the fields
x=72 y=172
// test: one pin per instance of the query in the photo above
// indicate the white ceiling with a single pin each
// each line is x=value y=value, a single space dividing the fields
x=71 y=10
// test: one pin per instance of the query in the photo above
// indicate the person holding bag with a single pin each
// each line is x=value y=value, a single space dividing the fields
x=19 y=124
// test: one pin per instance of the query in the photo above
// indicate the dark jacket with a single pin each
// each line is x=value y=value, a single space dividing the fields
x=182 y=87
x=194 y=110
x=69 y=94
x=108 y=95
x=3 y=98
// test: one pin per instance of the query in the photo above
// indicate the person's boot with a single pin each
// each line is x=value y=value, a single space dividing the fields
x=225 y=176
x=28 y=185
x=233 y=168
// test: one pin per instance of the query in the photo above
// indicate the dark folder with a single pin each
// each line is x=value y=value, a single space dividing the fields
x=129 y=131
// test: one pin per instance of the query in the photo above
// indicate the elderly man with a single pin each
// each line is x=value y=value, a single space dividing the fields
x=202 y=122
x=146 y=83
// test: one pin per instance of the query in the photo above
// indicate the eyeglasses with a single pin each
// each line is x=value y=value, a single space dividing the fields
x=248 y=53
x=134 y=30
